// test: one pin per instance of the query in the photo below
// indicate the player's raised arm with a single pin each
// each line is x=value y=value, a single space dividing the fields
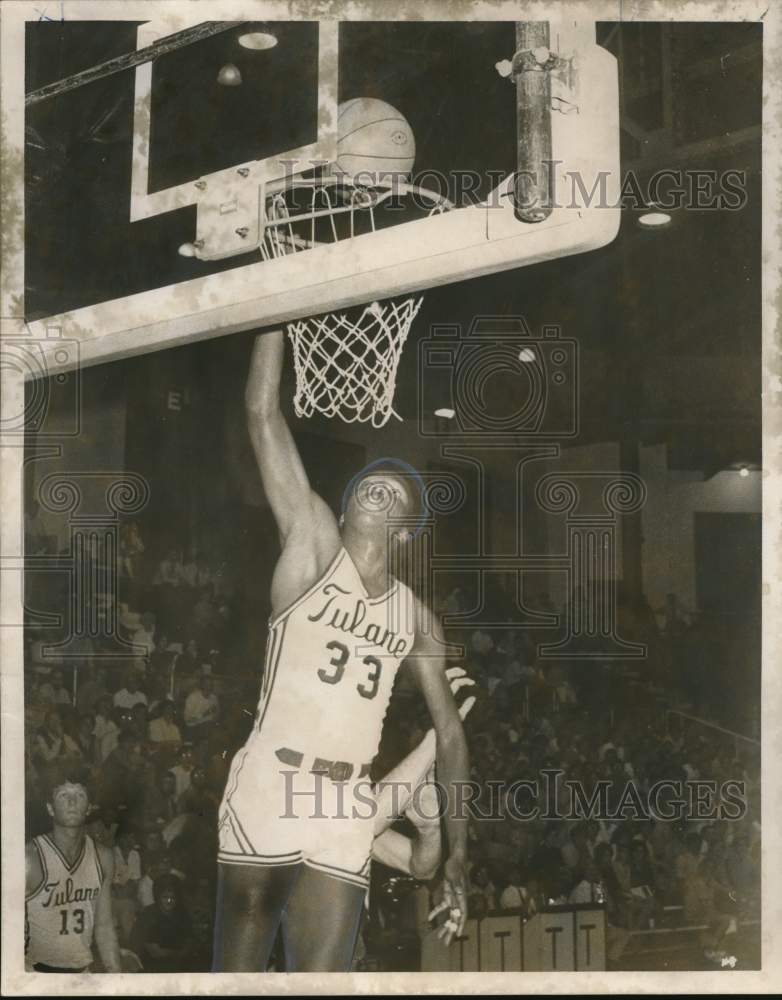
x=105 y=935
x=282 y=472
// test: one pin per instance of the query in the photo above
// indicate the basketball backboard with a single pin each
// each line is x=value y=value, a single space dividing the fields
x=180 y=154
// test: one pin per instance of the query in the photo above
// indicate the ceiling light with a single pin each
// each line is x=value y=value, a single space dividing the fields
x=654 y=219
x=257 y=40
x=229 y=76
x=743 y=472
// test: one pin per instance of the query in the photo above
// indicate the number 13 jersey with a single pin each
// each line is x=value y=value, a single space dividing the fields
x=60 y=911
x=331 y=660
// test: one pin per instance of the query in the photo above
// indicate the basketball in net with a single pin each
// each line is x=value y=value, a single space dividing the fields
x=373 y=140
x=347 y=367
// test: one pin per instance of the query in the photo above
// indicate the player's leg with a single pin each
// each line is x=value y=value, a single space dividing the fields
x=321 y=922
x=250 y=903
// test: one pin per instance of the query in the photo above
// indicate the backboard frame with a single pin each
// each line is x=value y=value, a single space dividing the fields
x=144 y=204
x=463 y=243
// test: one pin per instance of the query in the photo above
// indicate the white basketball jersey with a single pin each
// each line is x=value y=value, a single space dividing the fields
x=331 y=660
x=61 y=910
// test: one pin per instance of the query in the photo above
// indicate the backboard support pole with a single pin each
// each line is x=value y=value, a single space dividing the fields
x=532 y=185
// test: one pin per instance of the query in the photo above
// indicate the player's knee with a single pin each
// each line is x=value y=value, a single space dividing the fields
x=253 y=899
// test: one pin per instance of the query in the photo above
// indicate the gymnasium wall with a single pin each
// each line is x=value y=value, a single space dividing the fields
x=669 y=520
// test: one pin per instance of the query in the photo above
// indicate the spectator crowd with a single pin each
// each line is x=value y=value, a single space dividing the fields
x=155 y=734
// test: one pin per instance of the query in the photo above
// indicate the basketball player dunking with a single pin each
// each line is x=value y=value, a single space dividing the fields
x=68 y=890
x=295 y=842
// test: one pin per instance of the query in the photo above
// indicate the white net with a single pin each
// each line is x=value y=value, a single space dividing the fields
x=347 y=367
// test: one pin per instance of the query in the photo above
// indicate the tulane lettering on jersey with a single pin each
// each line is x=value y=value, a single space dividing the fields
x=55 y=895
x=349 y=614
x=61 y=909
x=331 y=660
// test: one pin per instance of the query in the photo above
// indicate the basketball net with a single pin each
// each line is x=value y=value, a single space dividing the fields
x=344 y=366
x=347 y=368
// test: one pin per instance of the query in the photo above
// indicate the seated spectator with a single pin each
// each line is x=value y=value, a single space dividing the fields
x=154 y=866
x=201 y=707
x=53 y=691
x=139 y=724
x=121 y=721
x=103 y=827
x=189 y=661
x=514 y=895
x=144 y=636
x=203 y=616
x=131 y=548
x=638 y=897
x=702 y=906
x=52 y=742
x=159 y=804
x=589 y=887
x=92 y=686
x=169 y=571
x=164 y=730
x=482 y=886
x=122 y=775
x=124 y=887
x=157 y=688
x=204 y=577
x=85 y=737
x=163 y=936
x=641 y=870
x=575 y=850
x=183 y=769
x=131 y=694
x=104 y=719
x=689 y=858
x=200 y=907
x=198 y=799
x=161 y=657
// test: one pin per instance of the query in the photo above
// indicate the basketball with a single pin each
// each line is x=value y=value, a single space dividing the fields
x=374 y=138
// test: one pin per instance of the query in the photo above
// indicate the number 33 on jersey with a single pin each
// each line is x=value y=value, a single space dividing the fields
x=331 y=656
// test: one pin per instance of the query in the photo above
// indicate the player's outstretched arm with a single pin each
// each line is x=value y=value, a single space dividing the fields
x=408 y=788
x=282 y=472
x=453 y=765
x=308 y=529
x=105 y=935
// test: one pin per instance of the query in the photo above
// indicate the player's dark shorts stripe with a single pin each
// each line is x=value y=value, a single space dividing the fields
x=254 y=861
